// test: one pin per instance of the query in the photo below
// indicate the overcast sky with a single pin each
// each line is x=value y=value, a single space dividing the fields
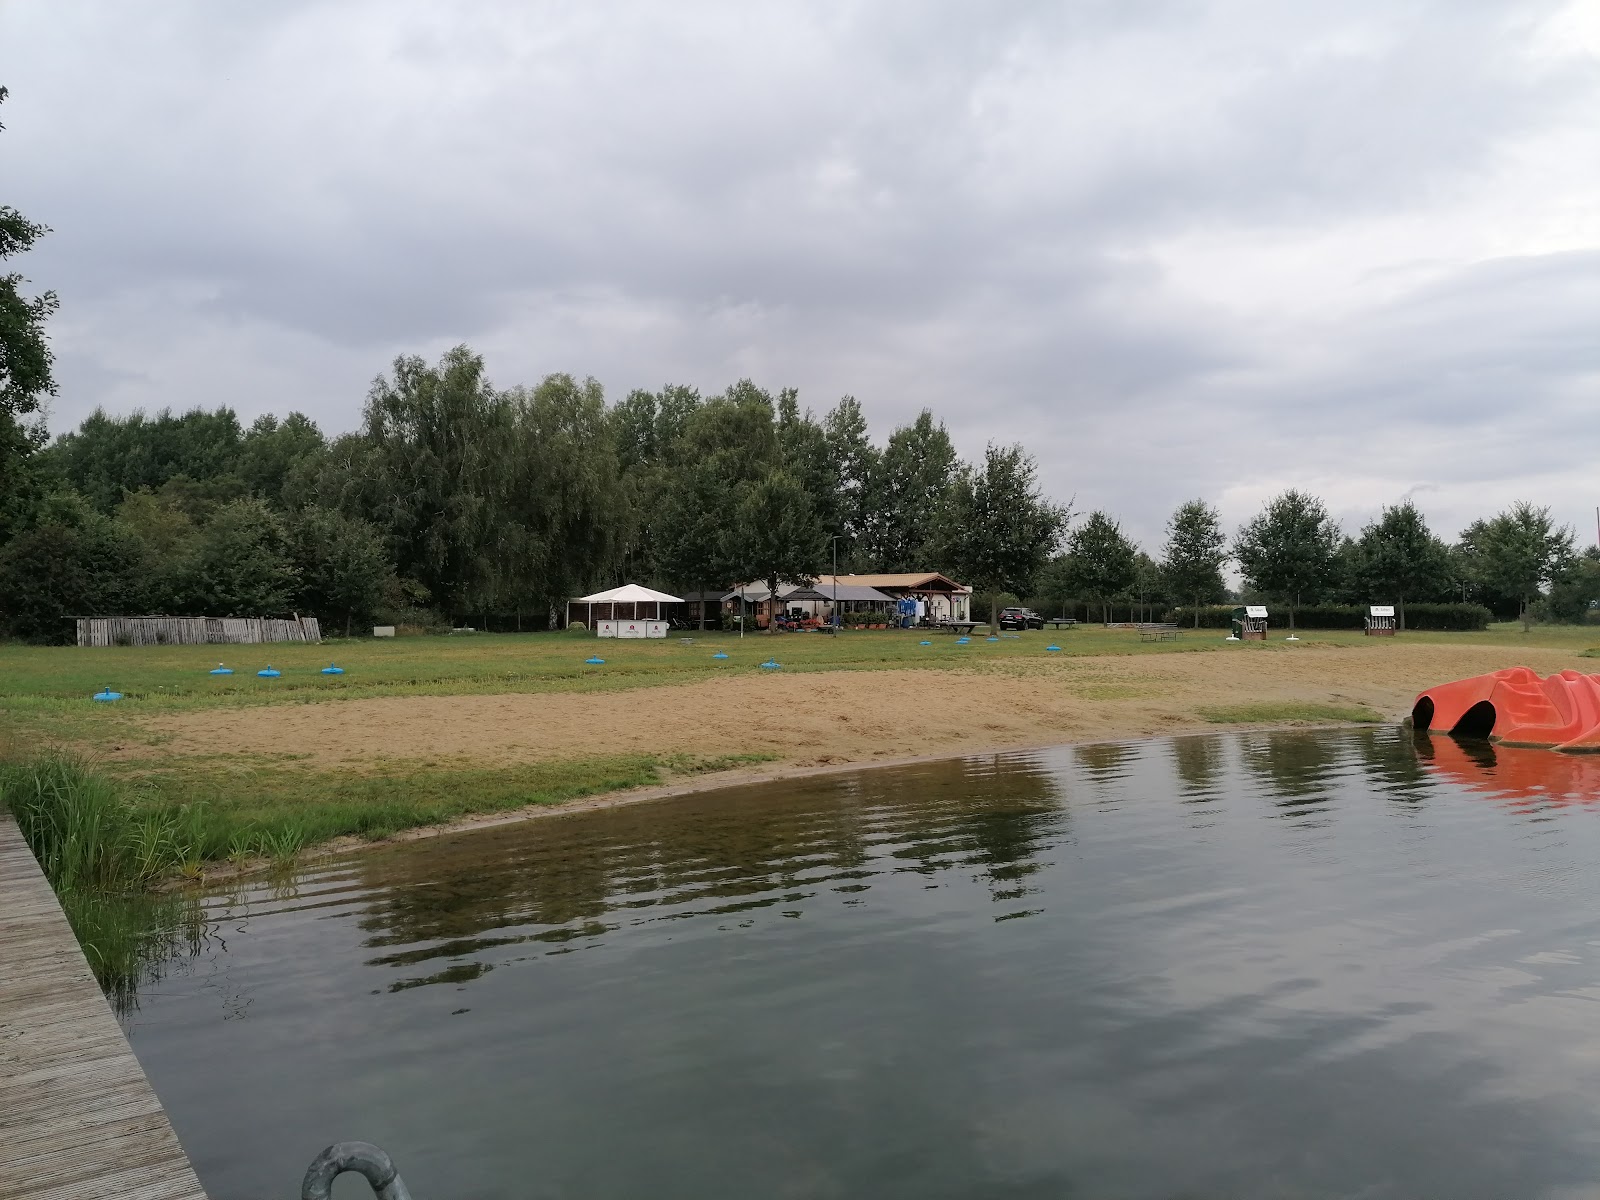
x=1176 y=249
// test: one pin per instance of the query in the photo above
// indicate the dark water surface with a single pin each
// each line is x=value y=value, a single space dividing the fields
x=1257 y=965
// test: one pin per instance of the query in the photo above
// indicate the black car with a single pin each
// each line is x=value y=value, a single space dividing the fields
x=1020 y=618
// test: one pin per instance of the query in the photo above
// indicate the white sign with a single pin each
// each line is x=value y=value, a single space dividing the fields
x=605 y=628
x=630 y=629
x=1381 y=610
x=655 y=629
x=383 y=631
x=1255 y=610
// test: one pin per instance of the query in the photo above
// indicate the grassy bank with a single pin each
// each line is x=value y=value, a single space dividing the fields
x=108 y=844
x=45 y=691
x=94 y=832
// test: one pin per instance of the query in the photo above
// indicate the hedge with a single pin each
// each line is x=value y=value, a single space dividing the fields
x=1452 y=617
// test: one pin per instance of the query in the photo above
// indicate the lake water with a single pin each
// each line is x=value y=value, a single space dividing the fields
x=1297 y=964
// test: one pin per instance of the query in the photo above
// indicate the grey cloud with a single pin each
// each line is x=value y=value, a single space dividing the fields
x=921 y=204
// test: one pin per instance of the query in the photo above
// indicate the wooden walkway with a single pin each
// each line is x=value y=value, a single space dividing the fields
x=78 y=1118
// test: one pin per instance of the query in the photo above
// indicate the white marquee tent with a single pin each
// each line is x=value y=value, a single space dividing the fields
x=626 y=611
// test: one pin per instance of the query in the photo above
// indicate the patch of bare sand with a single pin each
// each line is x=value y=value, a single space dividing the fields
x=821 y=718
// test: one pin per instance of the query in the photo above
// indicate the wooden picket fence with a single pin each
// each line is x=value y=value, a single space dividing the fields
x=194 y=631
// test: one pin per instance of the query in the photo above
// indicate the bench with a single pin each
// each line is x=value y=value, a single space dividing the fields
x=1157 y=631
x=1060 y=622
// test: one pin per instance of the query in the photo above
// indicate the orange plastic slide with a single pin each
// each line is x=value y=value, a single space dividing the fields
x=1515 y=706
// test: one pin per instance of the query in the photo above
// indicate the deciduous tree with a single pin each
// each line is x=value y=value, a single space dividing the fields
x=1397 y=557
x=1195 y=554
x=1101 y=562
x=996 y=529
x=917 y=467
x=342 y=564
x=1518 y=552
x=1287 y=550
x=775 y=535
x=437 y=449
x=26 y=360
x=241 y=565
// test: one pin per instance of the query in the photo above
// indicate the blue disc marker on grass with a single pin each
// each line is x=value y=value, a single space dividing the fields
x=1052 y=647
x=330 y=669
x=962 y=641
x=270 y=673
x=594 y=660
x=107 y=695
x=219 y=669
x=924 y=643
x=991 y=638
x=720 y=654
x=771 y=665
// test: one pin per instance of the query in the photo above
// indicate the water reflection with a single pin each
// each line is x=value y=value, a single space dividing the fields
x=640 y=865
x=1526 y=780
x=1199 y=764
x=1302 y=963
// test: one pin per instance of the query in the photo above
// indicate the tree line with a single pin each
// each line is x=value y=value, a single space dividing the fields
x=458 y=500
x=1518 y=564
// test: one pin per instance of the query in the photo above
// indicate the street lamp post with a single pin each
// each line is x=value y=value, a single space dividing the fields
x=834 y=624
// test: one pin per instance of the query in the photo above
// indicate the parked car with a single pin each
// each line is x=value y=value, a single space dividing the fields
x=1020 y=618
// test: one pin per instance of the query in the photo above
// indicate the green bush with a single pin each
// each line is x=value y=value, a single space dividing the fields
x=1438 y=617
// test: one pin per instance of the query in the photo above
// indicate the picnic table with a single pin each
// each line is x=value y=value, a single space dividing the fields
x=1157 y=631
x=960 y=626
x=1059 y=622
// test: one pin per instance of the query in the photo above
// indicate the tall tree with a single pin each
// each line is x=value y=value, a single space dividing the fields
x=1286 y=551
x=436 y=449
x=1101 y=562
x=916 y=470
x=647 y=429
x=271 y=452
x=74 y=562
x=342 y=564
x=25 y=357
x=1518 y=552
x=856 y=464
x=808 y=456
x=1149 y=582
x=241 y=564
x=26 y=374
x=1575 y=591
x=996 y=528
x=1398 y=556
x=1195 y=554
x=775 y=536
x=106 y=456
x=568 y=507
x=728 y=444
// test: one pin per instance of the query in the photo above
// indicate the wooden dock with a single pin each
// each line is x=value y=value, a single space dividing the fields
x=78 y=1118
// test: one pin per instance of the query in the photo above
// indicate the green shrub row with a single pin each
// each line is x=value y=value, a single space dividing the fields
x=1439 y=617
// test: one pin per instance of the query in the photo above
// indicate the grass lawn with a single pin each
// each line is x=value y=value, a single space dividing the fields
x=235 y=805
x=172 y=678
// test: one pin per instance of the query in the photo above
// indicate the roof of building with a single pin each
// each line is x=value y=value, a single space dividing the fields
x=628 y=593
x=852 y=591
x=905 y=581
x=821 y=590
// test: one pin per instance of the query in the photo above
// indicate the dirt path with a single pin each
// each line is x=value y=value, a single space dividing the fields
x=821 y=718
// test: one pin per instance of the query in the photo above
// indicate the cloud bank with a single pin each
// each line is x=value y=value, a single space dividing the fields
x=1177 y=250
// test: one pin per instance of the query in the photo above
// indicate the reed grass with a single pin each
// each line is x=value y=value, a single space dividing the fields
x=106 y=844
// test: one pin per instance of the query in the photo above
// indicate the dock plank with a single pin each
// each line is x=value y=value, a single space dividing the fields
x=78 y=1117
